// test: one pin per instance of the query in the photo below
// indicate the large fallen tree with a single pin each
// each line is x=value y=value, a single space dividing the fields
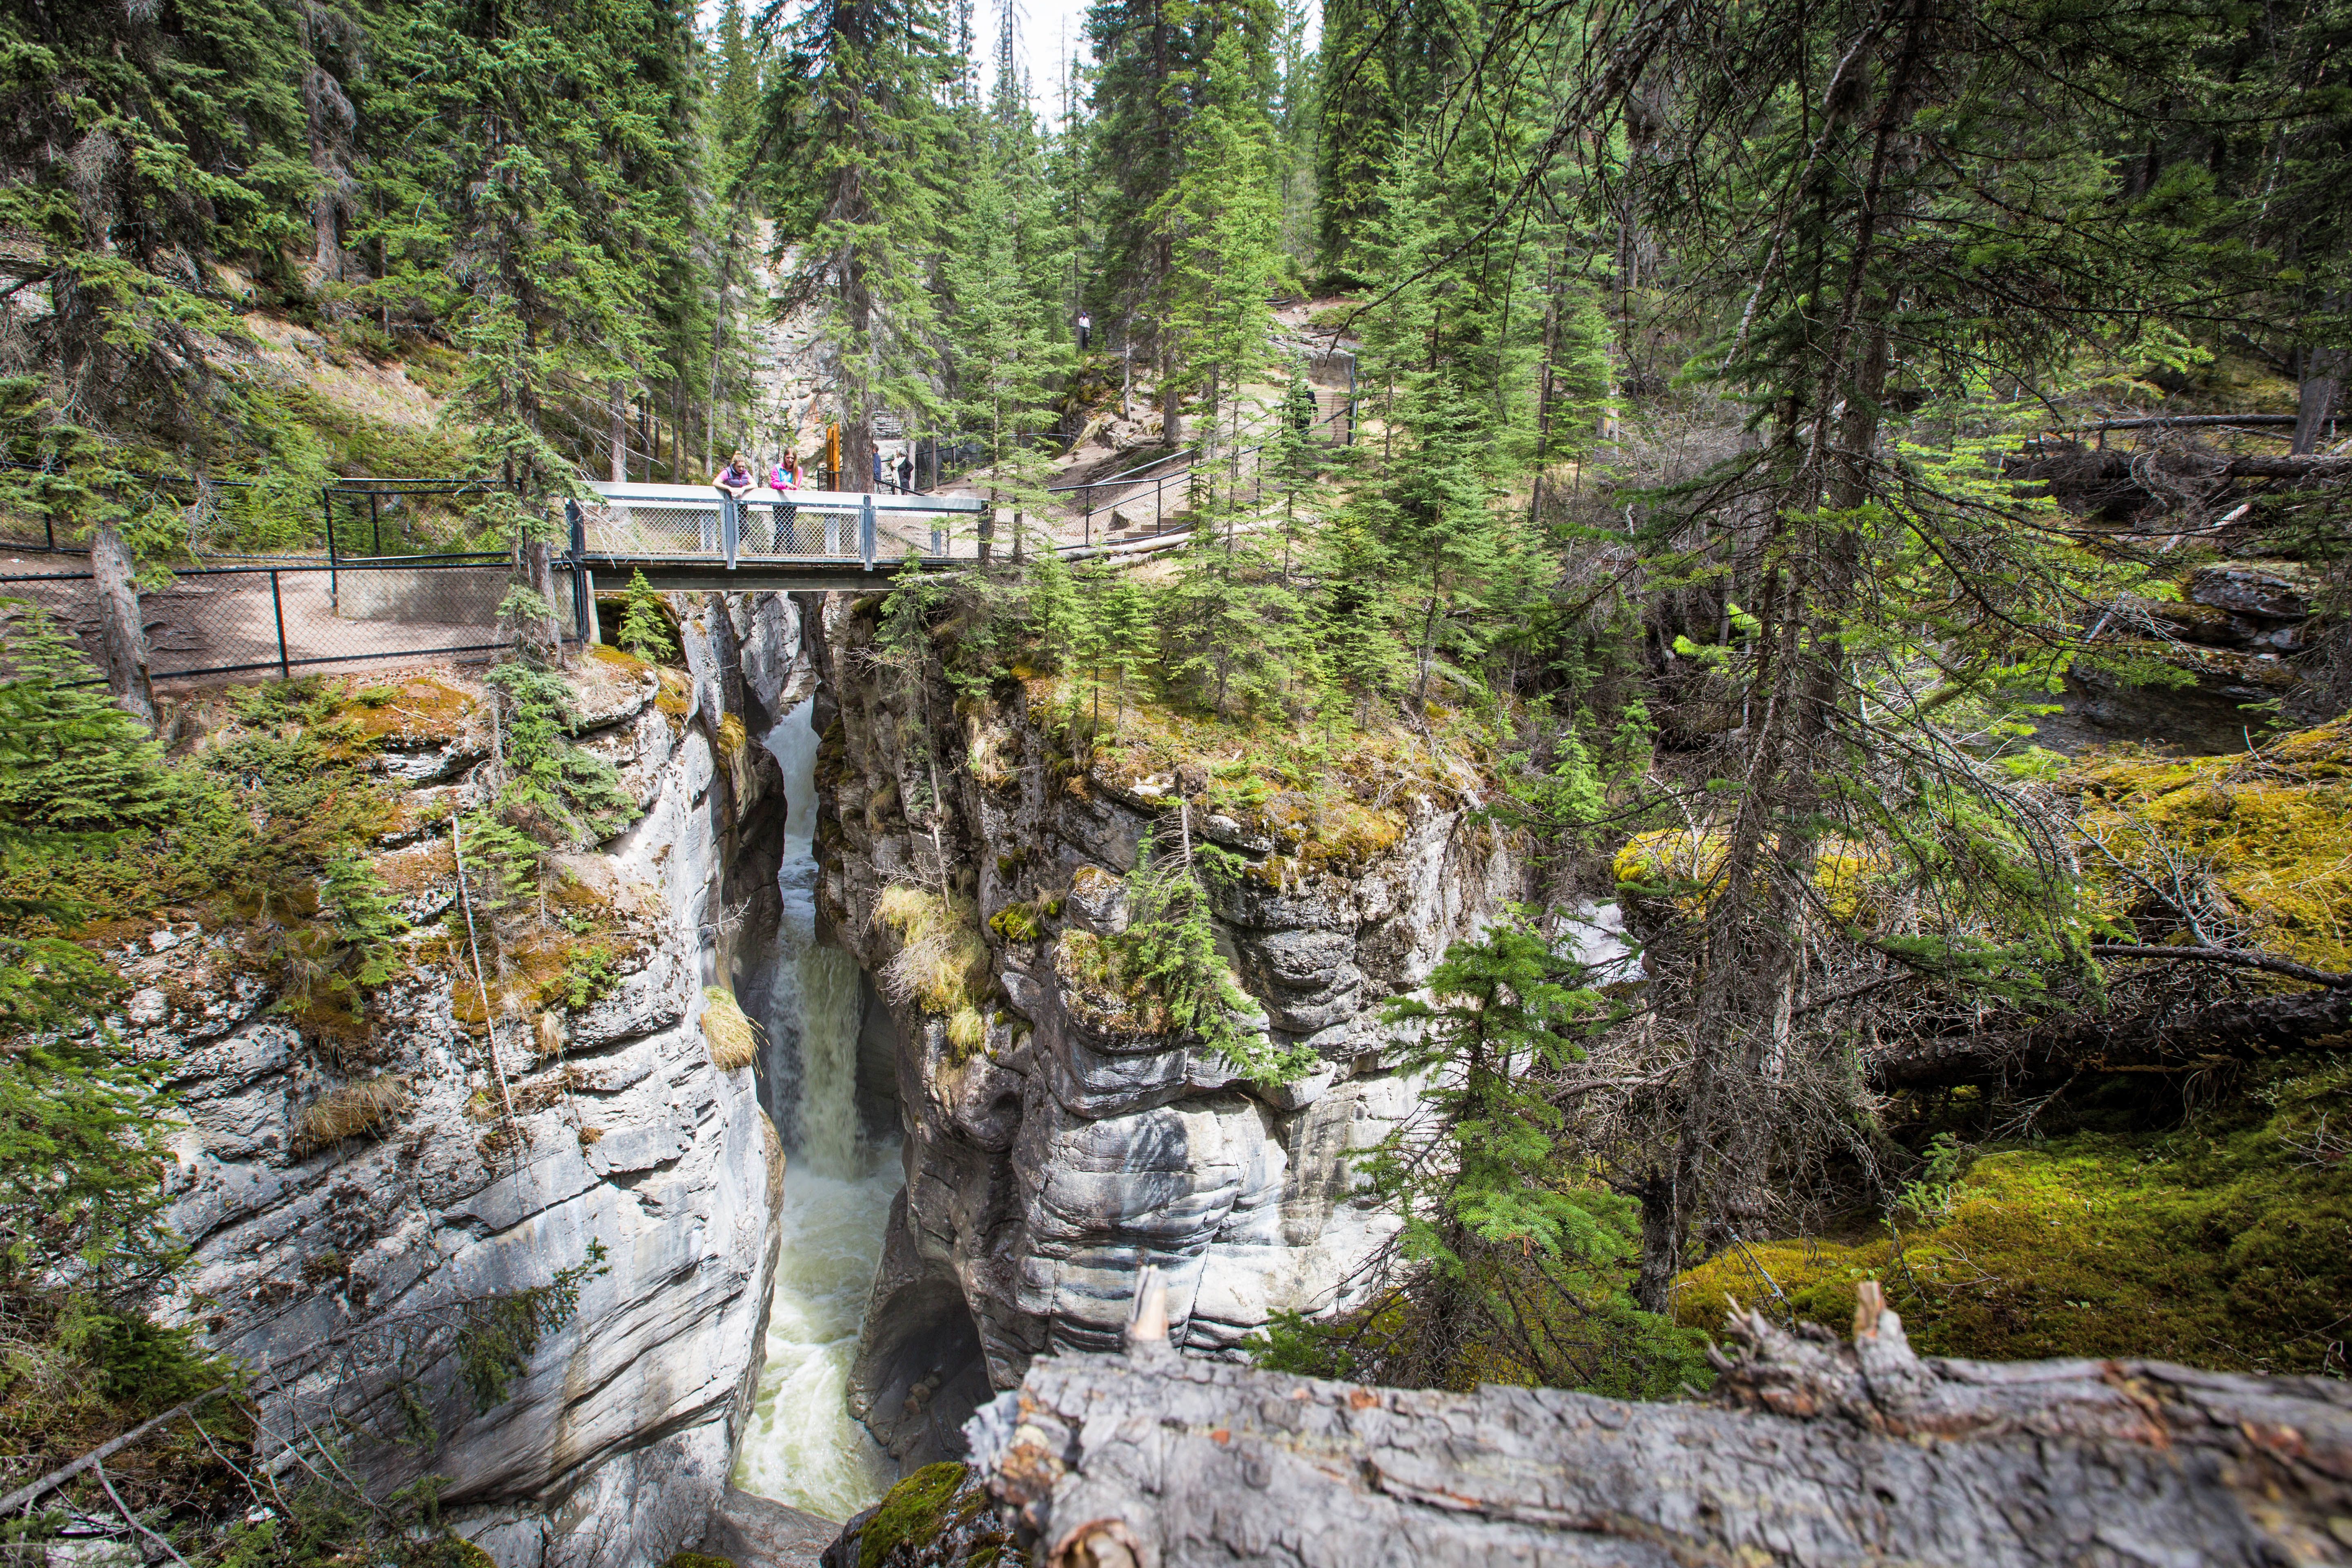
x=1809 y=1452
x=2181 y=1036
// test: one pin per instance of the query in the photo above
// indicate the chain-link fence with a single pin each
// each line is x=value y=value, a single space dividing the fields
x=672 y=524
x=276 y=620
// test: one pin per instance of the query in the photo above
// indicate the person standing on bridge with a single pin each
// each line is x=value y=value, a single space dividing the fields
x=907 y=472
x=1085 y=331
x=785 y=478
x=733 y=482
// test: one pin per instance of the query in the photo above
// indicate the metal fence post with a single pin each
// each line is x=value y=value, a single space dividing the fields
x=334 y=577
x=865 y=529
x=277 y=606
x=583 y=600
x=730 y=518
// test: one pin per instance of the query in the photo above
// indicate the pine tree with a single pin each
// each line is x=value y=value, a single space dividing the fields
x=1008 y=350
x=137 y=159
x=1514 y=1268
x=1223 y=225
x=644 y=629
x=1381 y=66
x=859 y=102
x=545 y=196
x=1153 y=75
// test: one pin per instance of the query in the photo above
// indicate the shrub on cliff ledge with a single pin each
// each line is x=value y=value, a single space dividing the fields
x=1164 y=971
x=942 y=965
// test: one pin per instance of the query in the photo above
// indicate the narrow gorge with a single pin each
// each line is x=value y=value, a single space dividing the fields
x=810 y=1227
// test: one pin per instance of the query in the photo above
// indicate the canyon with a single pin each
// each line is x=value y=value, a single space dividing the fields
x=861 y=1219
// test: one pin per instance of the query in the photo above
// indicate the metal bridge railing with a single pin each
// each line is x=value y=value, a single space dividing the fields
x=695 y=523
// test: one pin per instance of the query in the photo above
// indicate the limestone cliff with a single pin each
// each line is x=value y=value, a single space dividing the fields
x=1050 y=1152
x=345 y=1199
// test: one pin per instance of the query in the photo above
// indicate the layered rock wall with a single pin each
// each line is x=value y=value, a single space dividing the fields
x=340 y=1269
x=1048 y=1166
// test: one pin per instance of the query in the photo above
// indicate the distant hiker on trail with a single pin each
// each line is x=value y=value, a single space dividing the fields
x=907 y=472
x=879 y=482
x=1085 y=331
x=734 y=482
x=784 y=479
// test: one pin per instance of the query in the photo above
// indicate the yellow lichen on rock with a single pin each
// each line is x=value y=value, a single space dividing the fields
x=2270 y=831
x=1847 y=874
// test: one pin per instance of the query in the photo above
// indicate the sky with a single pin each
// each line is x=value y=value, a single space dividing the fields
x=1046 y=32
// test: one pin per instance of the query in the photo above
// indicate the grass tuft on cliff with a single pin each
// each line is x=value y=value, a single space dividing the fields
x=942 y=961
x=728 y=1030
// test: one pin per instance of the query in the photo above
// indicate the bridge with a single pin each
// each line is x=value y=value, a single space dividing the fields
x=689 y=536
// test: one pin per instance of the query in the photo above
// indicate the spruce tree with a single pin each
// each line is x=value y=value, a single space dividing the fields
x=549 y=187
x=861 y=153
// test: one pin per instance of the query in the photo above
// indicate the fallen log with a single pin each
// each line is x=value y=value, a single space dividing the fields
x=2235 y=1029
x=1809 y=1452
x=2079 y=469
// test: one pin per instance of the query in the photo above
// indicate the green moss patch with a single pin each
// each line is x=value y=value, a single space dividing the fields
x=2225 y=1246
x=912 y=1513
x=2272 y=828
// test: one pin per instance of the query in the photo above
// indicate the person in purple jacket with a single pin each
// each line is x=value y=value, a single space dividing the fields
x=733 y=482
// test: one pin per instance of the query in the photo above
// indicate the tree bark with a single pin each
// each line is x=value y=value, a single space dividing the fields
x=1808 y=1453
x=125 y=634
x=620 y=433
x=540 y=569
x=2315 y=397
x=1172 y=412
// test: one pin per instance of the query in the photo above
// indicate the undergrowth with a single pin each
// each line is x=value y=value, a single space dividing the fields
x=2224 y=1243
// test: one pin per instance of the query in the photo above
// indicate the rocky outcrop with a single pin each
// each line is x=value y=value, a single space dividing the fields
x=1050 y=1163
x=2230 y=641
x=343 y=1257
x=1810 y=1452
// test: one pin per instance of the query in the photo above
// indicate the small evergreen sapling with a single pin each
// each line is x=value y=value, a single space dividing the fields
x=1168 y=954
x=1521 y=1265
x=645 y=630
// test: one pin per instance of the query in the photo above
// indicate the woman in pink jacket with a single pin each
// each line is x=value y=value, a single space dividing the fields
x=785 y=478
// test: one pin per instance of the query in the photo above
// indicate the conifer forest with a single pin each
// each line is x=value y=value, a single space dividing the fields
x=1839 y=510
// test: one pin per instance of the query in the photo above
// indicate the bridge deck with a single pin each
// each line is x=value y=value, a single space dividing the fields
x=692 y=536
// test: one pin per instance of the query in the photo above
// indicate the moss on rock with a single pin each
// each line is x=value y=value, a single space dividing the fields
x=2217 y=1245
x=911 y=1513
x=2271 y=828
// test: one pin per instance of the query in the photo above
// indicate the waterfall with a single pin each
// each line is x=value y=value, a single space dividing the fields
x=801 y=1446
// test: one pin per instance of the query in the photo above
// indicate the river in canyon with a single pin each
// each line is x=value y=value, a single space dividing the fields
x=801 y=1446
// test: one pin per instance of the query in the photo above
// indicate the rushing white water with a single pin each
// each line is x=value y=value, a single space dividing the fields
x=801 y=1446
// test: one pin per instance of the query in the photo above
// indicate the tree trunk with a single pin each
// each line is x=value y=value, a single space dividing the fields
x=1806 y=1453
x=538 y=568
x=1171 y=417
x=620 y=433
x=2323 y=371
x=125 y=634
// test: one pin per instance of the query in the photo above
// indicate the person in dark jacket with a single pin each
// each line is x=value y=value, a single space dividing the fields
x=733 y=482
